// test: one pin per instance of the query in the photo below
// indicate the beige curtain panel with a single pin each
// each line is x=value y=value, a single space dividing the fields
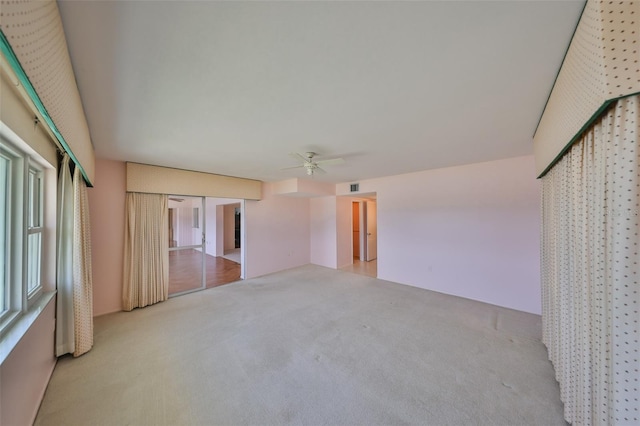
x=591 y=296
x=146 y=253
x=82 y=284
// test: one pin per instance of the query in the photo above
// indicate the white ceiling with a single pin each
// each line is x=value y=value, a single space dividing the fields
x=393 y=87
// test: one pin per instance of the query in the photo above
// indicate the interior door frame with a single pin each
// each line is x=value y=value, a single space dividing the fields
x=362 y=217
x=243 y=240
x=371 y=206
x=362 y=209
x=243 y=235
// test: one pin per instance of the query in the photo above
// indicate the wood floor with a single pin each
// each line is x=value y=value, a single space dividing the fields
x=185 y=271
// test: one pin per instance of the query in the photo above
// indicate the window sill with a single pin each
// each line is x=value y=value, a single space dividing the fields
x=19 y=328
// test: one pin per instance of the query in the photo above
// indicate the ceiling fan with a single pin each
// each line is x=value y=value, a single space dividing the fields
x=312 y=166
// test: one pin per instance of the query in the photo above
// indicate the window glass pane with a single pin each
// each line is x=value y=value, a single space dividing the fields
x=34 y=199
x=34 y=244
x=38 y=199
x=30 y=199
x=4 y=195
x=196 y=217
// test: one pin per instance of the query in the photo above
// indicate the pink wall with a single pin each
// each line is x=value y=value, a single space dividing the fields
x=470 y=231
x=215 y=224
x=219 y=226
x=230 y=226
x=211 y=246
x=323 y=232
x=277 y=233
x=107 y=214
x=25 y=373
x=330 y=221
x=184 y=218
x=344 y=231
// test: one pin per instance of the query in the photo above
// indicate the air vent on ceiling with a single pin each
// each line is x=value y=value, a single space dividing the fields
x=355 y=187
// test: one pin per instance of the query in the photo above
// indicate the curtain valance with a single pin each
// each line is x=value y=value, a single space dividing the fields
x=600 y=66
x=32 y=41
x=150 y=179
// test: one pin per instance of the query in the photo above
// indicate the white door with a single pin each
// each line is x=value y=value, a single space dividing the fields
x=363 y=230
x=372 y=231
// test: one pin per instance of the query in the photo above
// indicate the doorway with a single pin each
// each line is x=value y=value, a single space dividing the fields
x=369 y=234
x=364 y=239
x=186 y=242
x=232 y=235
x=197 y=238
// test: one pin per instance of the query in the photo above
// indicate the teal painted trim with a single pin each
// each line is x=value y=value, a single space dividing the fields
x=589 y=122
x=560 y=69
x=8 y=53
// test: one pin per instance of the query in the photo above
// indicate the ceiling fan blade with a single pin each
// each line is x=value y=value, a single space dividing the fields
x=331 y=162
x=298 y=156
x=293 y=167
x=319 y=170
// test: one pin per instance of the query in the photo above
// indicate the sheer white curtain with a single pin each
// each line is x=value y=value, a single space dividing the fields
x=590 y=271
x=146 y=252
x=82 y=283
x=65 y=342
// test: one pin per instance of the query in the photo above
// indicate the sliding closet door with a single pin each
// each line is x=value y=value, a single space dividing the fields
x=186 y=244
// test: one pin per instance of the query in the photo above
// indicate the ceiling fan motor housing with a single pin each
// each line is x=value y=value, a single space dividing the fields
x=309 y=167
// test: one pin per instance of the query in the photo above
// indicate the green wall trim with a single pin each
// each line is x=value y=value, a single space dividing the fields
x=8 y=53
x=596 y=115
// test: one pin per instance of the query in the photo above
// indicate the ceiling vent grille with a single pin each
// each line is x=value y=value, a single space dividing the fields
x=355 y=187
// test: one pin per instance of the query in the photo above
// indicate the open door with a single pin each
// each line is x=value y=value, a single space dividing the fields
x=364 y=239
x=368 y=231
x=372 y=230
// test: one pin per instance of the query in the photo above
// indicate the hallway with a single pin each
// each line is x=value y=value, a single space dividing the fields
x=369 y=269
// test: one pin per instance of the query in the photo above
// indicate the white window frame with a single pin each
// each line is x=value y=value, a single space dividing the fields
x=6 y=260
x=14 y=301
x=18 y=298
x=34 y=228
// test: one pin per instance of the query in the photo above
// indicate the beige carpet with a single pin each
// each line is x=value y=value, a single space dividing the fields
x=309 y=346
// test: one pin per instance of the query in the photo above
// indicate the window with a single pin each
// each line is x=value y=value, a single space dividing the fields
x=34 y=231
x=4 y=225
x=196 y=217
x=8 y=171
x=21 y=231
